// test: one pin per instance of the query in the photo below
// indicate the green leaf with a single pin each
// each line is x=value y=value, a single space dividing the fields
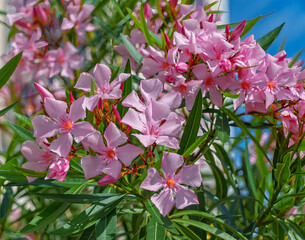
x=223 y=127
x=212 y=230
x=268 y=39
x=89 y=234
x=106 y=228
x=244 y=128
x=8 y=69
x=144 y=27
x=30 y=173
x=22 y=132
x=196 y=144
x=6 y=203
x=187 y=232
x=133 y=52
x=118 y=8
x=156 y=215
x=24 y=119
x=192 y=125
x=249 y=171
x=126 y=91
x=209 y=217
x=282 y=170
x=81 y=198
x=90 y=216
x=50 y=213
x=155 y=231
x=5 y=110
x=11 y=175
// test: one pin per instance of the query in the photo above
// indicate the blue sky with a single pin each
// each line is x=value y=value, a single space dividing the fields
x=291 y=12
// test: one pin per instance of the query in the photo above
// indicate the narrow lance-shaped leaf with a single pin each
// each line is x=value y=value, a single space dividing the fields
x=212 y=230
x=155 y=231
x=5 y=110
x=187 y=232
x=24 y=119
x=223 y=127
x=282 y=171
x=268 y=39
x=192 y=125
x=106 y=228
x=22 y=132
x=133 y=52
x=8 y=69
x=50 y=213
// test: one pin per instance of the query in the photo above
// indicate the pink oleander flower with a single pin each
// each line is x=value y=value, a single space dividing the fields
x=45 y=127
x=111 y=157
x=38 y=159
x=22 y=10
x=58 y=169
x=79 y=16
x=64 y=61
x=155 y=121
x=173 y=192
x=105 y=90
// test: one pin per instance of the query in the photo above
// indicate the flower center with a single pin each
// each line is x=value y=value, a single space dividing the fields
x=110 y=153
x=182 y=88
x=271 y=85
x=209 y=81
x=170 y=183
x=245 y=85
x=66 y=125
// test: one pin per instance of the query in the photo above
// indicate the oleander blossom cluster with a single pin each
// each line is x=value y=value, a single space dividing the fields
x=41 y=34
x=121 y=133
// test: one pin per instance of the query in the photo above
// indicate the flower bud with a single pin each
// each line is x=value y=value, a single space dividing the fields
x=147 y=11
x=43 y=92
x=181 y=67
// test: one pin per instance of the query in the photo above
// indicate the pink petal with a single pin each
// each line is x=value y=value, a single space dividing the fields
x=31 y=151
x=114 y=136
x=84 y=82
x=95 y=142
x=184 y=196
x=107 y=180
x=92 y=166
x=62 y=145
x=55 y=109
x=146 y=140
x=81 y=130
x=189 y=175
x=127 y=153
x=92 y=102
x=157 y=111
x=133 y=100
x=164 y=201
x=171 y=127
x=119 y=80
x=172 y=99
x=101 y=74
x=153 y=181
x=151 y=89
x=36 y=167
x=170 y=163
x=44 y=127
x=167 y=141
x=134 y=120
x=78 y=109
x=59 y=169
x=66 y=24
x=113 y=169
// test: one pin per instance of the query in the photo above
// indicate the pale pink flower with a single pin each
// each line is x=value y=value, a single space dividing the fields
x=105 y=90
x=63 y=123
x=110 y=157
x=64 y=61
x=38 y=159
x=173 y=192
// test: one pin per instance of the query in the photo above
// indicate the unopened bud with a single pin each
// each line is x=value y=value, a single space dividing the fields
x=43 y=92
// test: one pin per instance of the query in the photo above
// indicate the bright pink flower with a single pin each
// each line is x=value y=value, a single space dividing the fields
x=105 y=90
x=64 y=61
x=110 y=157
x=173 y=192
x=38 y=159
x=58 y=169
x=63 y=123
